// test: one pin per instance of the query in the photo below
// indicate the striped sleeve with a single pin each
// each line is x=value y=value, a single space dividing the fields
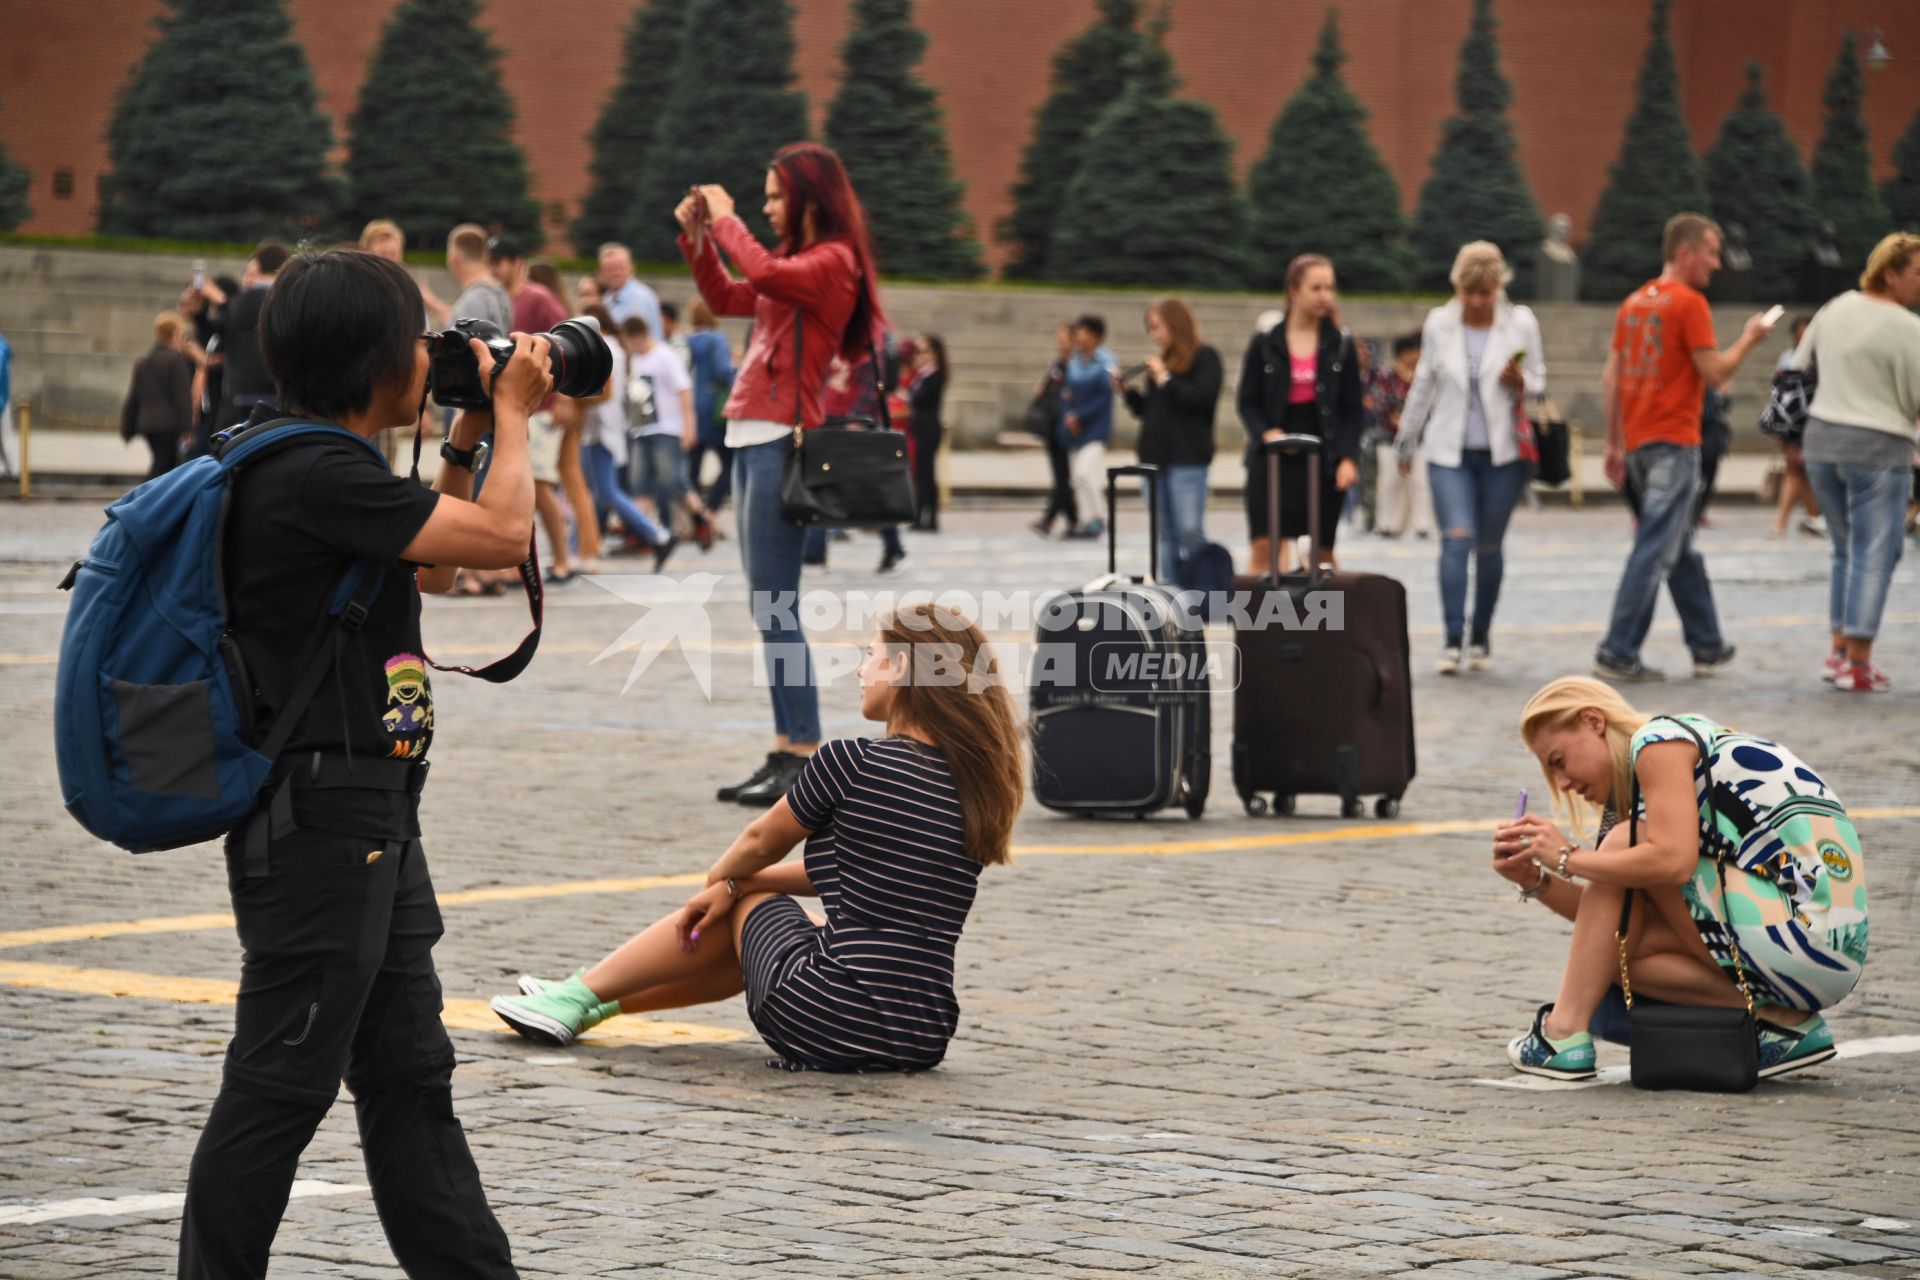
x=824 y=782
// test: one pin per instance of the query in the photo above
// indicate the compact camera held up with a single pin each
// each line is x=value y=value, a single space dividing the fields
x=578 y=356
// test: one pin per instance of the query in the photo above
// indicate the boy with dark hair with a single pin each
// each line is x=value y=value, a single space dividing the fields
x=331 y=895
x=1086 y=424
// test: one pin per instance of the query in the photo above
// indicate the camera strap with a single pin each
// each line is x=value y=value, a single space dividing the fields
x=514 y=663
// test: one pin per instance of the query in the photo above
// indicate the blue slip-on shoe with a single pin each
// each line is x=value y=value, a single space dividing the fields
x=1569 y=1059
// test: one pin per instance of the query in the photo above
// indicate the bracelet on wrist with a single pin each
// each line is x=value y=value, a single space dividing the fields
x=733 y=890
x=1566 y=851
x=1539 y=886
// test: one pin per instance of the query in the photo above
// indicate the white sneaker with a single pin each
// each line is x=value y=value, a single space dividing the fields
x=1835 y=666
x=1449 y=664
x=1479 y=657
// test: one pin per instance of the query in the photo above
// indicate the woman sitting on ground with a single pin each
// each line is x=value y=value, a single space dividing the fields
x=897 y=831
x=1793 y=874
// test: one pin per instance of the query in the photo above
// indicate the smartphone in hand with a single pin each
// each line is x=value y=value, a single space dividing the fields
x=1773 y=315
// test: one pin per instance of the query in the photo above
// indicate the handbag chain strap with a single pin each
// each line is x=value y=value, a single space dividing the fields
x=1720 y=873
x=800 y=367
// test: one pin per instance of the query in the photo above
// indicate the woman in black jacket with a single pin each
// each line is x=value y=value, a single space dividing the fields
x=1176 y=426
x=1301 y=378
x=927 y=390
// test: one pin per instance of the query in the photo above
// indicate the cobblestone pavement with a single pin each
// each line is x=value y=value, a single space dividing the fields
x=1217 y=1048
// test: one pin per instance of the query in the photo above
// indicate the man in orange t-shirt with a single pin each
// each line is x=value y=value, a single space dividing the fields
x=1663 y=358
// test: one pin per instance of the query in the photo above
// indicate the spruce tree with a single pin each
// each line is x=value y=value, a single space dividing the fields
x=1477 y=190
x=623 y=135
x=1089 y=74
x=1156 y=201
x=1655 y=177
x=727 y=110
x=1902 y=192
x=1322 y=188
x=886 y=125
x=14 y=208
x=1843 y=190
x=216 y=135
x=431 y=142
x=1755 y=180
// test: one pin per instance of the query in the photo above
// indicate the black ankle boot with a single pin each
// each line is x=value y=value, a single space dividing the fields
x=753 y=779
x=784 y=767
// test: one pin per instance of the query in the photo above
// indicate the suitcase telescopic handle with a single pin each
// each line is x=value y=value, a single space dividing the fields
x=1150 y=481
x=1294 y=444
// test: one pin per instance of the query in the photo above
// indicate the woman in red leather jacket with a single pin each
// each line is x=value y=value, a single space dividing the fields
x=815 y=294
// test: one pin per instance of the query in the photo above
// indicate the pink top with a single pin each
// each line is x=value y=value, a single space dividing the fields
x=1304 y=371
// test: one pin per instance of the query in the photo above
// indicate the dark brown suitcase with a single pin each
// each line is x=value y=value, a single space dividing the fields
x=1324 y=708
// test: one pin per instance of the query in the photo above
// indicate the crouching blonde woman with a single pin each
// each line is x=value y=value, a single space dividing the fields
x=897 y=830
x=1794 y=898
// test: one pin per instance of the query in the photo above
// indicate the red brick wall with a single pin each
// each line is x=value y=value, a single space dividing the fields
x=1572 y=63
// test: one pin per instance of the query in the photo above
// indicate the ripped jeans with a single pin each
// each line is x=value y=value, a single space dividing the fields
x=1471 y=505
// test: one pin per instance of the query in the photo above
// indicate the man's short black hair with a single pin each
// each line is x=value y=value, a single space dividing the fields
x=505 y=249
x=272 y=256
x=1406 y=342
x=337 y=327
x=669 y=312
x=1093 y=325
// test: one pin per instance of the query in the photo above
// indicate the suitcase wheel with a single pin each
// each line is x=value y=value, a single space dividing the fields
x=1256 y=805
x=1283 y=805
x=1352 y=807
x=1387 y=807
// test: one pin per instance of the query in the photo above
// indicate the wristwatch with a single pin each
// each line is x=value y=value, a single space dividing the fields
x=1539 y=886
x=472 y=459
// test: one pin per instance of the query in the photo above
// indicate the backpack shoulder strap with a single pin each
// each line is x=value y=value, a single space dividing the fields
x=347 y=611
x=247 y=443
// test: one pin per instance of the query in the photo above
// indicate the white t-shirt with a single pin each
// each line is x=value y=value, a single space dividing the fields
x=657 y=379
x=607 y=420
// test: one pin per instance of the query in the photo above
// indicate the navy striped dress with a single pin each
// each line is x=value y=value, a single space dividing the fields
x=872 y=990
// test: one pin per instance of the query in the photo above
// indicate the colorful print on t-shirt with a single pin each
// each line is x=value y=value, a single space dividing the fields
x=409 y=717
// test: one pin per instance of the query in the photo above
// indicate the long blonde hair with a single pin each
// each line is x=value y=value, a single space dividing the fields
x=969 y=718
x=1558 y=706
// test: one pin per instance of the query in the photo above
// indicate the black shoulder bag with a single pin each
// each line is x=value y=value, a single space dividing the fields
x=852 y=473
x=1681 y=1046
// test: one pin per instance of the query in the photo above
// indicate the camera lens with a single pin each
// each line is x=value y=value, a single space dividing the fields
x=579 y=357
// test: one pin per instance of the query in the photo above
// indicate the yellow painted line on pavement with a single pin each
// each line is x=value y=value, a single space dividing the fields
x=461 y=1015
x=574 y=888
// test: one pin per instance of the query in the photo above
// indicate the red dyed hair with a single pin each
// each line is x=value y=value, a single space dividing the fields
x=816 y=183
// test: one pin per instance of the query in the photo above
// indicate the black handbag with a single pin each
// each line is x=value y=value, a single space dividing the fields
x=1681 y=1046
x=851 y=473
x=1550 y=436
x=1789 y=400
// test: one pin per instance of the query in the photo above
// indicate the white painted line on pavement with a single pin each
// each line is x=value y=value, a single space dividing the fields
x=1618 y=1075
x=126 y=1206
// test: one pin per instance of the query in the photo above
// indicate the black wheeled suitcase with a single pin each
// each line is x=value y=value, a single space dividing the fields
x=1118 y=695
x=1325 y=700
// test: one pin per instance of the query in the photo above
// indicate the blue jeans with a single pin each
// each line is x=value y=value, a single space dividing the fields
x=1182 y=503
x=816 y=543
x=1866 y=511
x=656 y=470
x=602 y=478
x=1667 y=477
x=1471 y=505
x=770 y=553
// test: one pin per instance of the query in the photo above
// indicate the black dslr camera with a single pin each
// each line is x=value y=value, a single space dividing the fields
x=578 y=356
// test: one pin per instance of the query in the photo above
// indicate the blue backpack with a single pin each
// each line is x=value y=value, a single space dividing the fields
x=152 y=709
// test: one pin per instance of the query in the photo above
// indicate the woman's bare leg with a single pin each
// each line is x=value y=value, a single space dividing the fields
x=709 y=988
x=1683 y=970
x=554 y=518
x=654 y=958
x=1593 y=960
x=573 y=478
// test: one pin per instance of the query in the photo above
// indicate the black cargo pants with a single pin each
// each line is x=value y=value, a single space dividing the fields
x=337 y=983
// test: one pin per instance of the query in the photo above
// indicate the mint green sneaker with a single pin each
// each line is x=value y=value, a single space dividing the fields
x=555 y=1014
x=1784 y=1049
x=1568 y=1059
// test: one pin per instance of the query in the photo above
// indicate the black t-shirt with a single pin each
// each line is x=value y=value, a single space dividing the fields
x=300 y=517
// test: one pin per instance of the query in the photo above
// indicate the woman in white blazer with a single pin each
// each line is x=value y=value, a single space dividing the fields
x=1479 y=360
